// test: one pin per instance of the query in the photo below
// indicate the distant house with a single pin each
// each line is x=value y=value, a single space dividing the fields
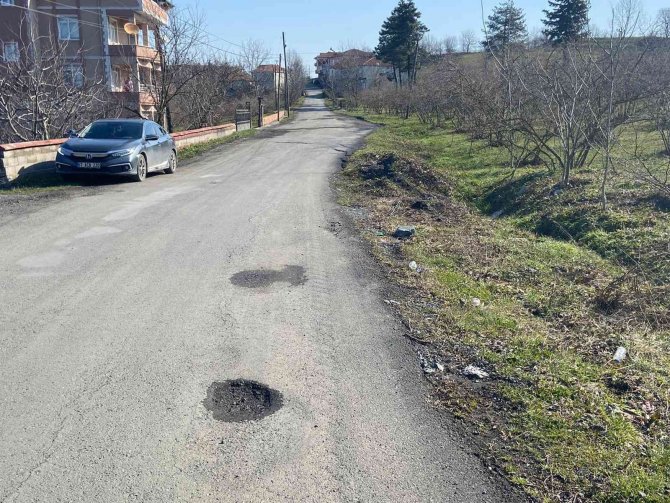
x=324 y=62
x=349 y=68
x=241 y=83
x=269 y=77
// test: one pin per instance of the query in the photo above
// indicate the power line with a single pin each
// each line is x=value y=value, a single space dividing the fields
x=85 y=23
x=98 y=25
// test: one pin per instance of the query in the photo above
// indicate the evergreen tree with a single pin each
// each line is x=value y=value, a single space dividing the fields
x=399 y=37
x=566 y=21
x=505 y=26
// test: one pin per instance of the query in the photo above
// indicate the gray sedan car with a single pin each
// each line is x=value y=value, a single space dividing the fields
x=126 y=147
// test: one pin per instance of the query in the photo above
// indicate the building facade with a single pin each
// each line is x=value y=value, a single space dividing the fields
x=110 y=42
x=350 y=68
x=269 y=77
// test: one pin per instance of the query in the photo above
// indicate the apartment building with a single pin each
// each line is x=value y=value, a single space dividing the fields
x=333 y=67
x=112 y=42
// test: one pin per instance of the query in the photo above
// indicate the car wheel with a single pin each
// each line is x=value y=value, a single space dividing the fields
x=141 y=168
x=172 y=164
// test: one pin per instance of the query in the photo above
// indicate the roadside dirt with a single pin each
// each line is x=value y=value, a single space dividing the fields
x=14 y=203
x=451 y=392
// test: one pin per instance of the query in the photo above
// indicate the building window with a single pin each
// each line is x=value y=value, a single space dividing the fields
x=73 y=75
x=68 y=28
x=114 y=28
x=117 y=79
x=152 y=38
x=6 y=2
x=10 y=52
x=141 y=35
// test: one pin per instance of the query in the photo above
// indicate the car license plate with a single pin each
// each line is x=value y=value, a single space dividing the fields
x=89 y=165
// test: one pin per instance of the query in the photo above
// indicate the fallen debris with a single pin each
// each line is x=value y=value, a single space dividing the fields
x=476 y=302
x=429 y=364
x=404 y=232
x=476 y=372
x=413 y=266
x=620 y=354
x=420 y=204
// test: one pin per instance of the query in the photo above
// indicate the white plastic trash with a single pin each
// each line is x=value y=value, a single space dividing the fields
x=620 y=354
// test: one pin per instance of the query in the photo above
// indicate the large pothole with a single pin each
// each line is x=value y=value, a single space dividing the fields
x=241 y=400
x=259 y=278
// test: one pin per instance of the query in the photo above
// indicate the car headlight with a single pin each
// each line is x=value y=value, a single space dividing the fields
x=64 y=151
x=123 y=153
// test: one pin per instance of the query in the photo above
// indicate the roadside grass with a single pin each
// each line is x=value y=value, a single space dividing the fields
x=558 y=416
x=200 y=148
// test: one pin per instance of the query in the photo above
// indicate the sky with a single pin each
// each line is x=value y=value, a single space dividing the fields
x=314 y=26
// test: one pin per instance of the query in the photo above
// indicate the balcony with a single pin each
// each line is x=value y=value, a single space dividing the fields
x=134 y=98
x=151 y=9
x=133 y=51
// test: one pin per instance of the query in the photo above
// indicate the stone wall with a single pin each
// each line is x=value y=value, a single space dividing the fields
x=17 y=159
x=27 y=157
x=193 y=136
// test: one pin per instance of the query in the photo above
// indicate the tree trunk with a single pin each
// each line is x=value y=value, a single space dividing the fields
x=168 y=119
x=409 y=70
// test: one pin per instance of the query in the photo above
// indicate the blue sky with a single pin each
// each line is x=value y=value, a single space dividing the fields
x=316 y=25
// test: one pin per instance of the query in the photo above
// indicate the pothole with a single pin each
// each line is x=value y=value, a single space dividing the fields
x=240 y=400
x=291 y=274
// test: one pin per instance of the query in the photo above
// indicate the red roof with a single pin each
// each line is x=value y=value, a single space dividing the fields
x=326 y=55
x=352 y=57
x=270 y=68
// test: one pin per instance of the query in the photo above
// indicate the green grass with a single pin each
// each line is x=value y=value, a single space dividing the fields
x=562 y=285
x=200 y=148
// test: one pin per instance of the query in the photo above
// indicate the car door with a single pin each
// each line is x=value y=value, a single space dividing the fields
x=152 y=146
x=166 y=145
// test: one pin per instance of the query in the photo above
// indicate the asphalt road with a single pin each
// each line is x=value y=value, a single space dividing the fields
x=118 y=313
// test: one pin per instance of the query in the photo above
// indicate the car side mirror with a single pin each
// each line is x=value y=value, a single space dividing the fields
x=71 y=133
x=151 y=137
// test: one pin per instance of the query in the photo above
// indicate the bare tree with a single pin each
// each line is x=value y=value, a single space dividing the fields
x=297 y=75
x=468 y=41
x=180 y=58
x=537 y=38
x=254 y=53
x=450 y=44
x=432 y=46
x=663 y=21
x=210 y=97
x=645 y=168
x=43 y=93
x=625 y=22
x=659 y=112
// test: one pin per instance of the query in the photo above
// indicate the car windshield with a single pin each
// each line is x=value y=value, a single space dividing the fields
x=113 y=130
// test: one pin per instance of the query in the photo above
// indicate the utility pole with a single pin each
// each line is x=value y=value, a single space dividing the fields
x=278 y=93
x=260 y=111
x=286 y=104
